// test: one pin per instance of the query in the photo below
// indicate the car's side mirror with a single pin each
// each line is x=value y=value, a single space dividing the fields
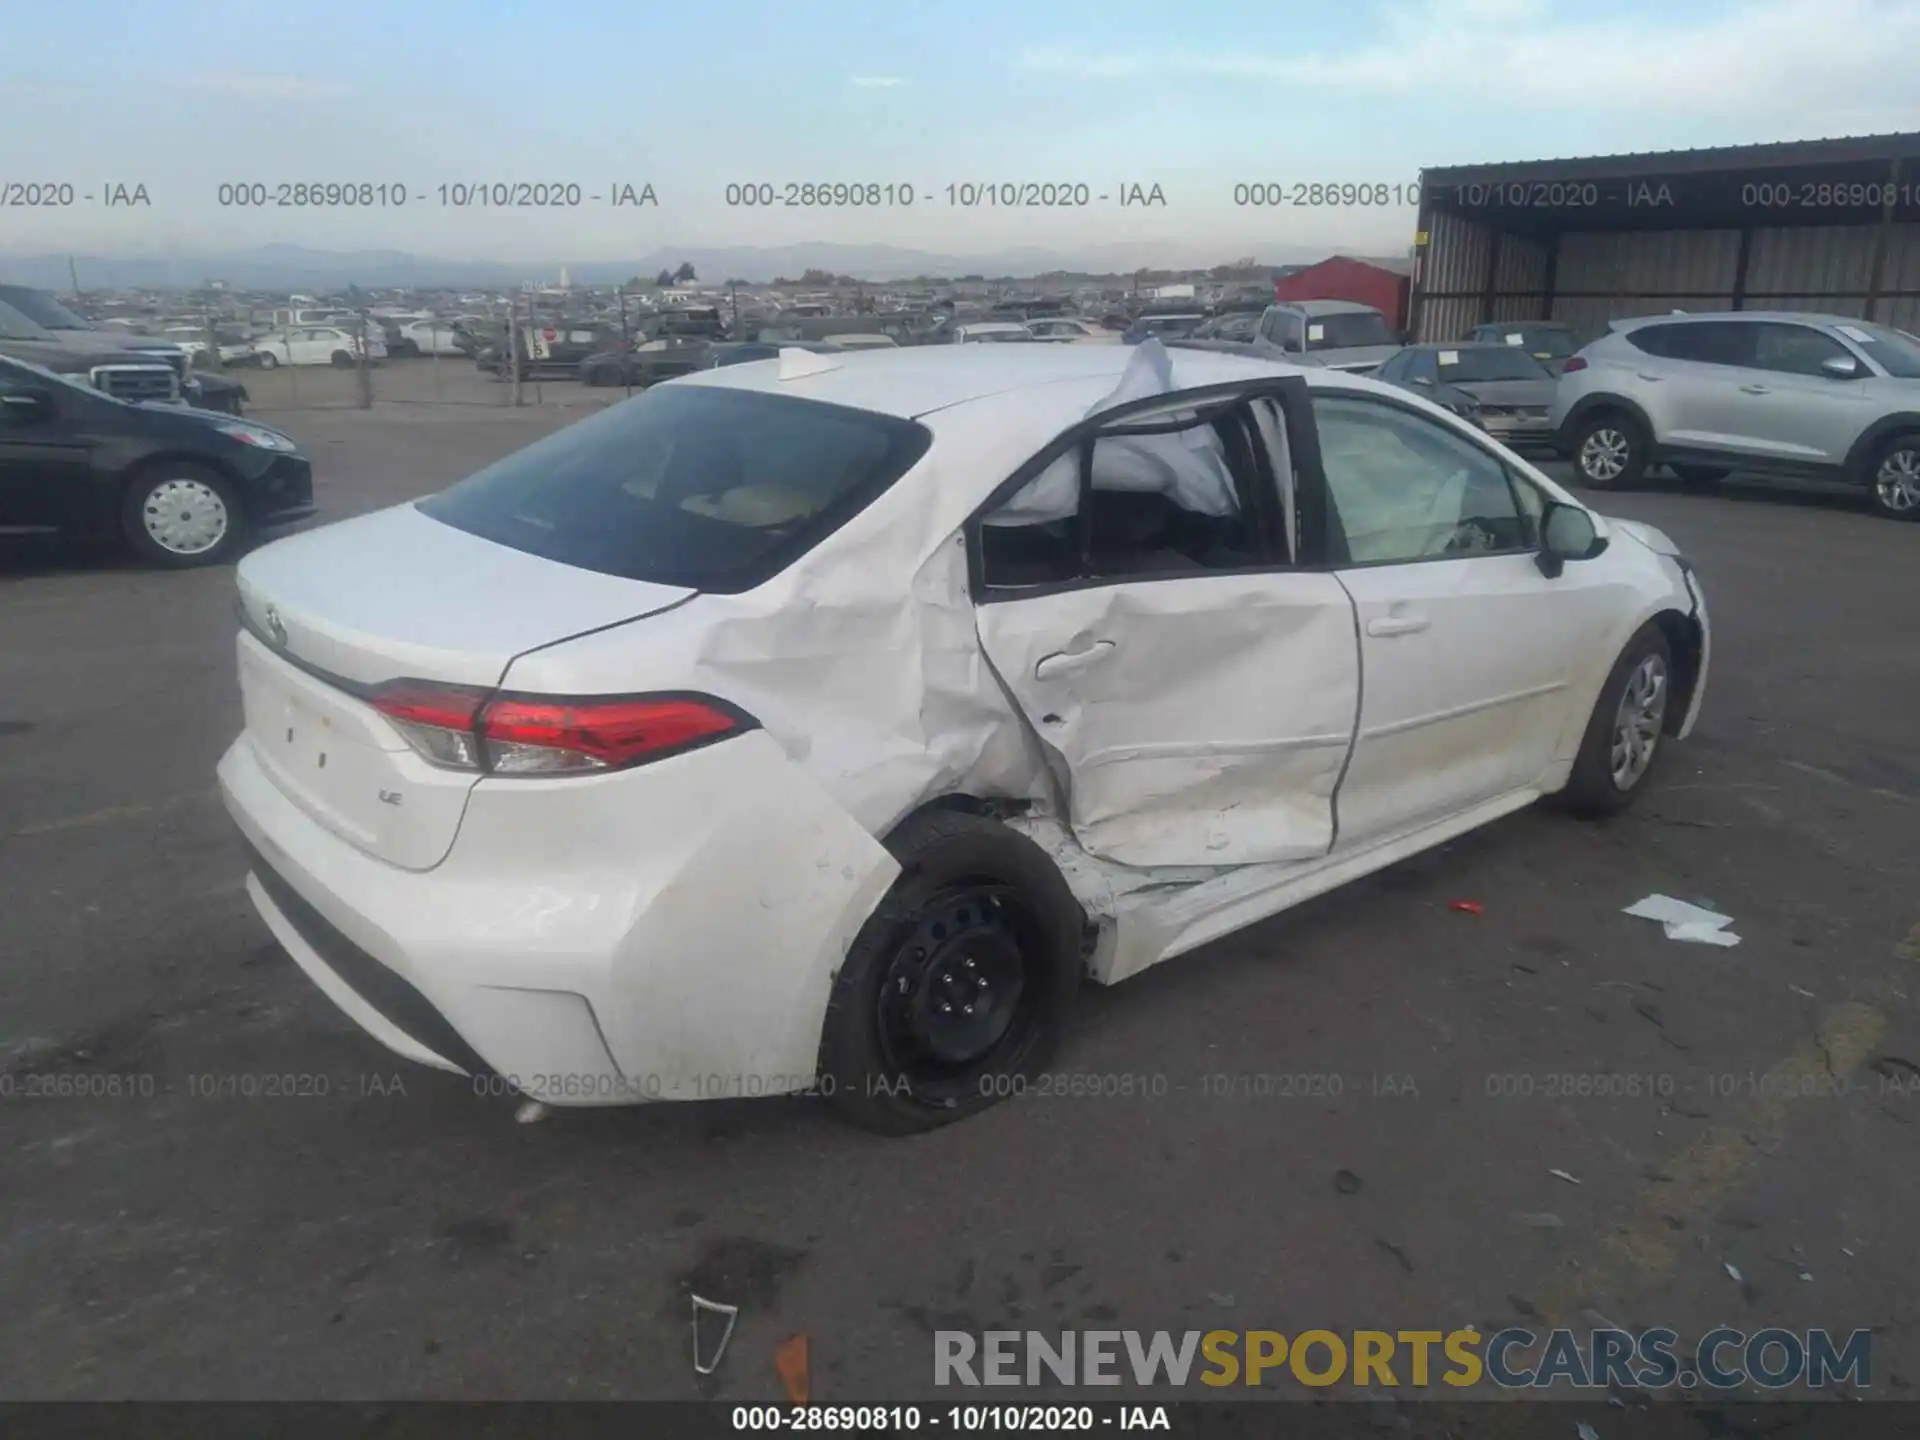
x=20 y=404
x=1566 y=533
x=1841 y=367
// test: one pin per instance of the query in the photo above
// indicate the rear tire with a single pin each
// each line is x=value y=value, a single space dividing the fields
x=179 y=515
x=1609 y=452
x=1893 y=482
x=266 y=361
x=979 y=916
x=342 y=360
x=1627 y=732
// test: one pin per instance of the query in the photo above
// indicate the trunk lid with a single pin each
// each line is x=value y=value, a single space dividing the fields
x=334 y=612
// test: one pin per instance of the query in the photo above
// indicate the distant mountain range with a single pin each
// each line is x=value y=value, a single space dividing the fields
x=275 y=267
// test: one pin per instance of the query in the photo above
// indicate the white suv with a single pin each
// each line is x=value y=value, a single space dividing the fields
x=1818 y=397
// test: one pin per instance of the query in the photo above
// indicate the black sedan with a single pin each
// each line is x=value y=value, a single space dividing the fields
x=645 y=362
x=182 y=486
x=741 y=352
x=1500 y=388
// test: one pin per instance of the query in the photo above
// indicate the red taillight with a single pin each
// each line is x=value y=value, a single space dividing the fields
x=1573 y=363
x=538 y=736
x=462 y=729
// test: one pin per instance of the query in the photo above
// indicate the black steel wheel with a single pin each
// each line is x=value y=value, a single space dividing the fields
x=955 y=993
x=958 y=985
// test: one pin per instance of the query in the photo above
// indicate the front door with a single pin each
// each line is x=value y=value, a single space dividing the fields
x=1194 y=692
x=1792 y=410
x=44 y=466
x=1466 y=648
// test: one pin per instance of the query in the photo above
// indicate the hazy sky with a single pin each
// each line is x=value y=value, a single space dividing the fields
x=1194 y=97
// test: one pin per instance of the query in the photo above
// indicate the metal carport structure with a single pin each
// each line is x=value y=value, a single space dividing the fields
x=1818 y=225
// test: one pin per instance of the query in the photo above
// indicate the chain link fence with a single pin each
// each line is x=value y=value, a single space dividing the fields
x=523 y=354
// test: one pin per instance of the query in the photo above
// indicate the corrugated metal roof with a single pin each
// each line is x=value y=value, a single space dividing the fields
x=1838 y=150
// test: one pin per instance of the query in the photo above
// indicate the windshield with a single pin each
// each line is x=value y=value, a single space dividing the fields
x=1549 y=341
x=703 y=486
x=1897 y=352
x=1349 y=329
x=1493 y=362
x=15 y=326
x=43 y=309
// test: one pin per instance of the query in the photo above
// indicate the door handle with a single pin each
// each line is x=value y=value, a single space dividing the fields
x=1053 y=666
x=1655 y=378
x=1397 y=625
x=1755 y=390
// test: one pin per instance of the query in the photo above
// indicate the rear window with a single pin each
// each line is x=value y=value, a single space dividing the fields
x=711 y=488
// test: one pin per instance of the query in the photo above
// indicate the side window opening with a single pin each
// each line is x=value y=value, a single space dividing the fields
x=1167 y=494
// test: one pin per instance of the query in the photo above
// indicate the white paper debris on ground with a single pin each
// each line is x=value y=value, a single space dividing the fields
x=1562 y=1175
x=1798 y=991
x=1694 y=924
x=1586 y=1431
x=1702 y=935
x=1734 y=1271
x=531 y=1112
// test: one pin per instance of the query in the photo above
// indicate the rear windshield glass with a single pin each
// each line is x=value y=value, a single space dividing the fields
x=711 y=488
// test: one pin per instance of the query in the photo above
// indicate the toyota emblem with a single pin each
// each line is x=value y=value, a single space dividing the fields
x=276 y=627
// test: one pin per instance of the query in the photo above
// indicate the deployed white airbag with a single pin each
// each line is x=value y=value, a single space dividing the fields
x=1188 y=466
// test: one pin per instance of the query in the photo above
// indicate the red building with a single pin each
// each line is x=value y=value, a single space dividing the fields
x=1341 y=277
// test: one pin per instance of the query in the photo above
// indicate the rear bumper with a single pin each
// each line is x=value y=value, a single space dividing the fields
x=667 y=933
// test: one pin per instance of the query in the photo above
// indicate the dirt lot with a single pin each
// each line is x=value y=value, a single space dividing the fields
x=384 y=1232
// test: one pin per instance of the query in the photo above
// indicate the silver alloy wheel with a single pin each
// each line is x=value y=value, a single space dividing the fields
x=1603 y=455
x=1637 y=722
x=184 y=517
x=1897 y=482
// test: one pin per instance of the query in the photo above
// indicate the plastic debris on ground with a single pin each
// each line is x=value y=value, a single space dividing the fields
x=1734 y=1271
x=712 y=1307
x=1467 y=907
x=1586 y=1431
x=1562 y=1175
x=1694 y=924
x=531 y=1112
x=790 y=1362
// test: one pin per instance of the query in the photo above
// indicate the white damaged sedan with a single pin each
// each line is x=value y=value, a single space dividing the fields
x=818 y=724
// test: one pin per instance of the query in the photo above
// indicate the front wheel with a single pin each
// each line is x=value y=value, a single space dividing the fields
x=1609 y=453
x=1894 y=487
x=267 y=360
x=958 y=986
x=180 y=515
x=342 y=359
x=1624 y=734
